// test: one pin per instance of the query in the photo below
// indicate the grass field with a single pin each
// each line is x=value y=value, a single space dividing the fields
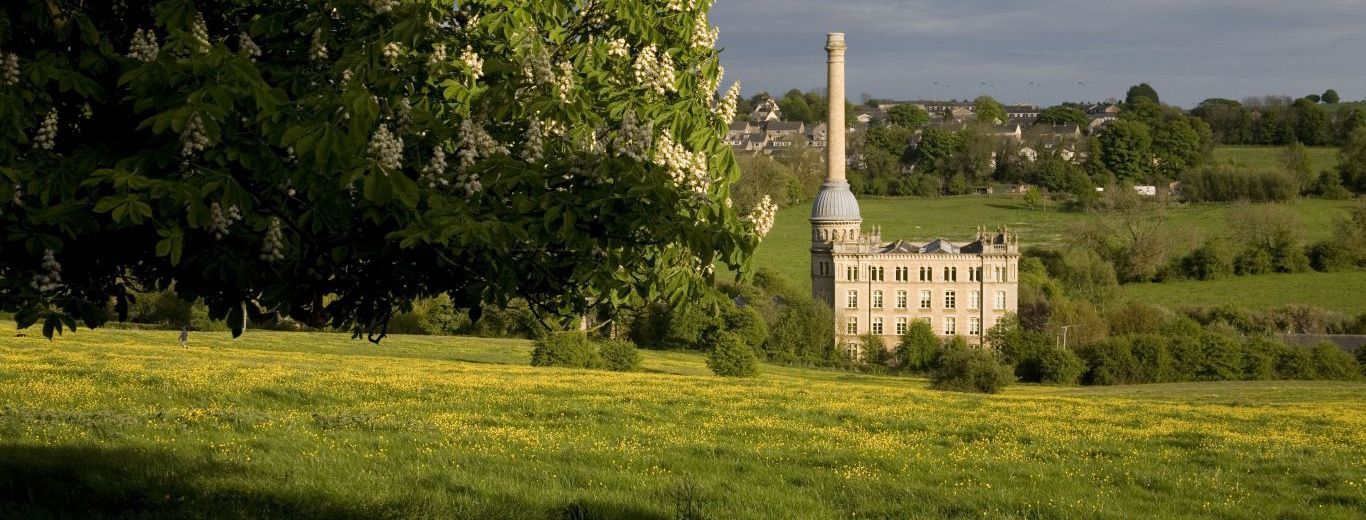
x=1320 y=157
x=127 y=424
x=1343 y=292
x=786 y=249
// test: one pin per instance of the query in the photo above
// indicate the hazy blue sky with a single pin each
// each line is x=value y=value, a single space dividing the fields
x=1188 y=50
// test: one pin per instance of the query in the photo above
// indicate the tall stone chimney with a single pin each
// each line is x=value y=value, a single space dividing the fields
x=836 y=224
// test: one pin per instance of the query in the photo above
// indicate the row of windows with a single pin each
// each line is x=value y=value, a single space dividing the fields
x=926 y=299
x=903 y=274
x=851 y=325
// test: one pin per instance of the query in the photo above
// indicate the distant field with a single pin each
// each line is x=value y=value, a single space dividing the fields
x=1320 y=158
x=1342 y=292
x=125 y=424
x=787 y=248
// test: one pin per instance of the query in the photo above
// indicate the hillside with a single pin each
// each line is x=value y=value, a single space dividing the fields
x=786 y=249
x=124 y=423
x=1320 y=158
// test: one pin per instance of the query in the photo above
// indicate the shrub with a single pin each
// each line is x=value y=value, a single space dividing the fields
x=1222 y=358
x=1152 y=359
x=619 y=356
x=970 y=370
x=1328 y=256
x=731 y=357
x=565 y=349
x=746 y=323
x=1109 y=362
x=1059 y=366
x=874 y=351
x=1025 y=351
x=1331 y=363
x=1294 y=362
x=919 y=348
x=1211 y=261
x=1254 y=260
x=1259 y=359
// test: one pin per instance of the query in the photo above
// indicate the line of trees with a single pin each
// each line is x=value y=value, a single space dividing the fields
x=1280 y=120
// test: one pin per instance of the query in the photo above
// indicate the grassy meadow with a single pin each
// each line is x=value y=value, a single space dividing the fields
x=127 y=424
x=1320 y=157
x=786 y=249
x=1344 y=292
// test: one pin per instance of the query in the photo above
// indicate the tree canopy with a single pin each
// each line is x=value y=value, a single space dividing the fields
x=988 y=110
x=1063 y=115
x=1330 y=96
x=1141 y=91
x=333 y=161
x=907 y=115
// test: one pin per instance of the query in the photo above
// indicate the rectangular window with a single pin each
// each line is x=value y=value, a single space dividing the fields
x=953 y=274
x=901 y=299
x=851 y=273
x=877 y=299
x=1000 y=300
x=972 y=274
x=877 y=325
x=926 y=274
x=950 y=300
x=950 y=326
x=901 y=325
x=974 y=299
x=879 y=274
x=851 y=326
x=925 y=299
x=946 y=274
x=974 y=326
x=852 y=302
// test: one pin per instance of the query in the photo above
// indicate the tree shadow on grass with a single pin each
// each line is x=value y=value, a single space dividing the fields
x=86 y=482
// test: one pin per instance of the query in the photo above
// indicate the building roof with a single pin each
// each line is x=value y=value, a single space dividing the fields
x=939 y=245
x=835 y=203
x=785 y=126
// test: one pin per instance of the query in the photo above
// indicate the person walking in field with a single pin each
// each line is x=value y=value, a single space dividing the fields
x=184 y=336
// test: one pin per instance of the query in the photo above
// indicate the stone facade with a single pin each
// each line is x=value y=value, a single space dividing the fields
x=961 y=289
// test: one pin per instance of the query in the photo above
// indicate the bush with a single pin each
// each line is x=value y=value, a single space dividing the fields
x=1295 y=362
x=1025 y=351
x=731 y=357
x=746 y=323
x=874 y=351
x=1152 y=359
x=1211 y=261
x=970 y=370
x=1259 y=359
x=919 y=348
x=1331 y=363
x=619 y=356
x=1222 y=358
x=1254 y=260
x=1109 y=362
x=1329 y=256
x=565 y=349
x=1059 y=366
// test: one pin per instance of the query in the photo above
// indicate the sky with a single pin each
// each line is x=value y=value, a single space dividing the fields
x=1047 y=51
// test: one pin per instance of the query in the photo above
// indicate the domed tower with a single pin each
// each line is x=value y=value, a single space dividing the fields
x=835 y=217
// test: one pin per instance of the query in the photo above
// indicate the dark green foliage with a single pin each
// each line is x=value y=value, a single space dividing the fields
x=1255 y=260
x=746 y=323
x=1330 y=97
x=1228 y=183
x=1330 y=255
x=1141 y=91
x=1222 y=359
x=907 y=116
x=1153 y=360
x=874 y=353
x=731 y=357
x=1211 y=261
x=1353 y=163
x=1260 y=356
x=565 y=349
x=986 y=109
x=1109 y=362
x=1332 y=363
x=1126 y=149
x=1059 y=366
x=918 y=350
x=968 y=369
x=1063 y=115
x=618 y=355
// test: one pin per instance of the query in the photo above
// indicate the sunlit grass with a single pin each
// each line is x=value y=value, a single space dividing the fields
x=127 y=423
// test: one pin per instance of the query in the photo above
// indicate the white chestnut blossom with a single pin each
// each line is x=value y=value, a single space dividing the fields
x=688 y=169
x=679 y=5
x=247 y=46
x=346 y=75
x=725 y=109
x=654 y=70
x=762 y=216
x=475 y=144
x=536 y=69
x=618 y=48
x=52 y=279
x=193 y=139
x=46 y=138
x=534 y=148
x=438 y=56
x=472 y=62
x=144 y=46
x=392 y=52
x=386 y=149
x=470 y=183
x=221 y=221
x=200 y=33
x=383 y=6
x=703 y=34
x=405 y=112
x=564 y=82
x=273 y=248
x=633 y=139
x=9 y=69
x=317 y=49
x=434 y=173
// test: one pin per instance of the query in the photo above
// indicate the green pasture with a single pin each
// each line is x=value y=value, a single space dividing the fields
x=1320 y=157
x=1343 y=292
x=126 y=424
